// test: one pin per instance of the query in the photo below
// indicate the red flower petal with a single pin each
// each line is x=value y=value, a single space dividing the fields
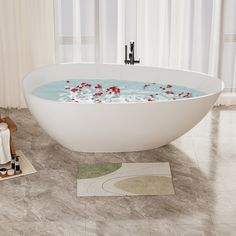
x=98 y=86
x=74 y=90
x=169 y=92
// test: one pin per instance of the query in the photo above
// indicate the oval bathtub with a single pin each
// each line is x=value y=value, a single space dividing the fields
x=119 y=127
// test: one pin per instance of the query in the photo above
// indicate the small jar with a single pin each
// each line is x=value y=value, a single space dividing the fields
x=11 y=172
x=3 y=171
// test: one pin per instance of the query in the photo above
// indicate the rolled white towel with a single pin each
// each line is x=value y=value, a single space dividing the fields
x=5 y=152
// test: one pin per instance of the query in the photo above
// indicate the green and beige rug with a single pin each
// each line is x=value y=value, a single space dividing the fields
x=124 y=179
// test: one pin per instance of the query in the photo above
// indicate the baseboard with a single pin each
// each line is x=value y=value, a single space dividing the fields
x=226 y=99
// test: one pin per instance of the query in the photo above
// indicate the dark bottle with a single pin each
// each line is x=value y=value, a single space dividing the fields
x=12 y=162
x=17 y=165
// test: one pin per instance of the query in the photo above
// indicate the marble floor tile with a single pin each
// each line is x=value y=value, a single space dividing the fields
x=223 y=230
x=70 y=228
x=203 y=166
x=162 y=227
x=168 y=228
x=186 y=145
x=223 y=208
x=220 y=150
x=118 y=228
x=223 y=174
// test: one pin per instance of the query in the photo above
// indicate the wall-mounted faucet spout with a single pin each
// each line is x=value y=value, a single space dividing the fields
x=131 y=60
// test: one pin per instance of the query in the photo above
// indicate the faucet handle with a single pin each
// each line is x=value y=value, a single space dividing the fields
x=131 y=46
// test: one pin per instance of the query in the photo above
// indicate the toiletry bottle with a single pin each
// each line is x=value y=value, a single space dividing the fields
x=17 y=165
x=12 y=162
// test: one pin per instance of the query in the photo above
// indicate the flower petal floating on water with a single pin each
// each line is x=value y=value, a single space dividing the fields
x=150 y=100
x=113 y=89
x=98 y=94
x=188 y=95
x=148 y=85
x=83 y=84
x=74 y=90
x=169 y=92
x=98 y=86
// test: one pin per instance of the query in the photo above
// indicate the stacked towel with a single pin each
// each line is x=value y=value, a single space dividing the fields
x=5 y=152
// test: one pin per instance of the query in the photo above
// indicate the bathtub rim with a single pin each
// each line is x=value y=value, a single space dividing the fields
x=29 y=93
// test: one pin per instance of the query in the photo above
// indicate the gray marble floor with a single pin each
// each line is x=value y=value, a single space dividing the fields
x=203 y=164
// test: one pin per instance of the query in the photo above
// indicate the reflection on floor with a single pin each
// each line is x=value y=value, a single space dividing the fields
x=203 y=164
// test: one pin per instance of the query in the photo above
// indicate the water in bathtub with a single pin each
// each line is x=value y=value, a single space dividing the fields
x=112 y=91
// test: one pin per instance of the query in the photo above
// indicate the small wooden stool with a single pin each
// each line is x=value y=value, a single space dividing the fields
x=12 y=127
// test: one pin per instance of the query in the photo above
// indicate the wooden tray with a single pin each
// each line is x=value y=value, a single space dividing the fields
x=6 y=175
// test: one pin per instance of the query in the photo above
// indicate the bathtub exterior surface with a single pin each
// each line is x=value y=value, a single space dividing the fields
x=119 y=127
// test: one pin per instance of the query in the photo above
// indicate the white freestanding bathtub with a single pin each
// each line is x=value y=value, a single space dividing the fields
x=120 y=127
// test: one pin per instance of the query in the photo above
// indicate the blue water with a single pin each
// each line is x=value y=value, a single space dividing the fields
x=112 y=91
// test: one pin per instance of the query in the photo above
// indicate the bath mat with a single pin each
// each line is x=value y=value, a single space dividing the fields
x=124 y=179
x=25 y=165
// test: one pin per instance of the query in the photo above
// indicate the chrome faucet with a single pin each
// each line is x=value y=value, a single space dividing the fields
x=131 y=60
